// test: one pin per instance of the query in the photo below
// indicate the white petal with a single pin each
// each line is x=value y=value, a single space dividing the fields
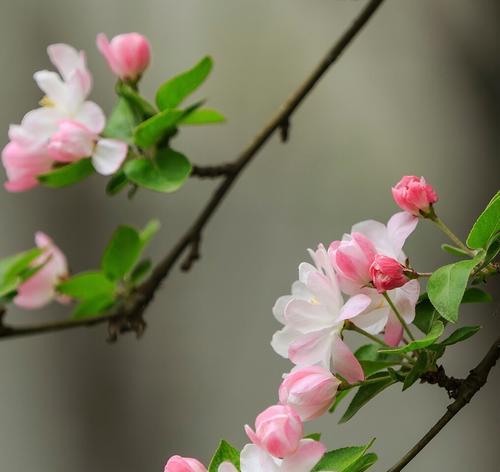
x=354 y=306
x=306 y=317
x=109 y=155
x=91 y=115
x=52 y=85
x=279 y=307
x=373 y=321
x=66 y=58
x=312 y=348
x=282 y=339
x=255 y=459
x=377 y=233
x=399 y=227
x=227 y=467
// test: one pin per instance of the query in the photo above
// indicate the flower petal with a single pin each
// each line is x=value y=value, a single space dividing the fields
x=354 y=306
x=307 y=456
x=400 y=226
x=91 y=115
x=282 y=339
x=344 y=362
x=66 y=58
x=255 y=459
x=393 y=330
x=109 y=155
x=312 y=348
x=306 y=317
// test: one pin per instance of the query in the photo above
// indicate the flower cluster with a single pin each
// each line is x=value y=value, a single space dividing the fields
x=68 y=127
x=369 y=268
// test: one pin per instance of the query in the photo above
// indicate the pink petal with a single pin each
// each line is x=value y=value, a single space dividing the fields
x=345 y=363
x=393 y=330
x=37 y=291
x=227 y=467
x=354 y=306
x=65 y=58
x=312 y=348
x=400 y=226
x=282 y=340
x=306 y=457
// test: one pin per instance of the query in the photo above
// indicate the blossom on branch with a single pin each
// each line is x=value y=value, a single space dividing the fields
x=414 y=195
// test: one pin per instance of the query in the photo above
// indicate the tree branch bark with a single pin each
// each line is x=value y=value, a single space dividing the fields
x=129 y=314
x=470 y=386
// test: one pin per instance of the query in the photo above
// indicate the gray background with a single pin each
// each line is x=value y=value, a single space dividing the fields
x=417 y=93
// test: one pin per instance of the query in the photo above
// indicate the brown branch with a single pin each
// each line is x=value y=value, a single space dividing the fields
x=129 y=314
x=469 y=387
x=212 y=172
x=439 y=377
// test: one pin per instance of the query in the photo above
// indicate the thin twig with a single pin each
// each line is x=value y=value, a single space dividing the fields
x=469 y=387
x=212 y=172
x=133 y=308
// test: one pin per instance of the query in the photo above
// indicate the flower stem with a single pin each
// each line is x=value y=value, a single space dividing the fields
x=456 y=240
x=352 y=327
x=348 y=386
x=400 y=318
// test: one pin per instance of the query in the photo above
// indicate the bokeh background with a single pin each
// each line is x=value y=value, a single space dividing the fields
x=417 y=93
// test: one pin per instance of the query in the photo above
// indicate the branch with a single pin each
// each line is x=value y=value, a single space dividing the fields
x=470 y=386
x=129 y=314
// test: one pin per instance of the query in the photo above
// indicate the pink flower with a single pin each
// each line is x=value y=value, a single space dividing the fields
x=387 y=273
x=314 y=316
x=352 y=258
x=309 y=391
x=39 y=289
x=128 y=55
x=73 y=141
x=184 y=464
x=278 y=430
x=414 y=195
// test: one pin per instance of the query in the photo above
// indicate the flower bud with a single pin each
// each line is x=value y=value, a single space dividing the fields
x=128 y=55
x=414 y=195
x=278 y=430
x=387 y=273
x=184 y=464
x=309 y=390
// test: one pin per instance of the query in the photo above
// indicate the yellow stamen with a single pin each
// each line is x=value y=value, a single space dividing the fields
x=46 y=102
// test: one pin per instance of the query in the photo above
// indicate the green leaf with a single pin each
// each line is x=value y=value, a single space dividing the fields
x=87 y=285
x=313 y=436
x=175 y=90
x=149 y=231
x=476 y=295
x=166 y=173
x=435 y=332
x=117 y=183
x=418 y=369
x=370 y=367
x=68 y=174
x=203 y=116
x=93 y=306
x=365 y=393
x=140 y=271
x=340 y=460
x=425 y=314
x=367 y=352
x=137 y=103
x=121 y=122
x=461 y=334
x=486 y=226
x=446 y=287
x=16 y=269
x=152 y=130
x=225 y=452
x=454 y=251
x=122 y=253
x=364 y=463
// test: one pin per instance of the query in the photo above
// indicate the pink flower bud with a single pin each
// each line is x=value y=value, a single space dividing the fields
x=73 y=141
x=278 y=430
x=414 y=195
x=184 y=464
x=309 y=390
x=387 y=273
x=128 y=55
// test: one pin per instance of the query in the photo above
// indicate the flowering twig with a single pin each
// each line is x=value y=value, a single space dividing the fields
x=133 y=308
x=469 y=387
x=400 y=318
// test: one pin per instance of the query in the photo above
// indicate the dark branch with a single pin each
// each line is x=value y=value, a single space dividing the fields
x=212 y=172
x=129 y=314
x=468 y=388
x=439 y=377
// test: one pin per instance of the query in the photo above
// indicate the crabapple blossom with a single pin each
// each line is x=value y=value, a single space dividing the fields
x=309 y=391
x=352 y=258
x=387 y=273
x=26 y=156
x=314 y=316
x=184 y=464
x=74 y=141
x=278 y=430
x=39 y=289
x=414 y=195
x=128 y=54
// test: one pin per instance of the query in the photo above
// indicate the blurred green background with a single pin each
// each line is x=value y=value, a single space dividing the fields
x=417 y=93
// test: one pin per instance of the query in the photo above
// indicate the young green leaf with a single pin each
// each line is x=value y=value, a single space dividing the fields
x=140 y=106
x=425 y=314
x=149 y=231
x=486 y=226
x=116 y=183
x=87 y=285
x=338 y=398
x=68 y=174
x=446 y=287
x=370 y=367
x=313 y=436
x=91 y=307
x=461 y=334
x=122 y=253
x=175 y=90
x=476 y=295
x=365 y=393
x=363 y=463
x=140 y=271
x=340 y=460
x=454 y=251
x=12 y=266
x=203 y=116
x=121 y=122
x=367 y=352
x=418 y=369
x=173 y=166
x=225 y=452
x=435 y=332
x=152 y=130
